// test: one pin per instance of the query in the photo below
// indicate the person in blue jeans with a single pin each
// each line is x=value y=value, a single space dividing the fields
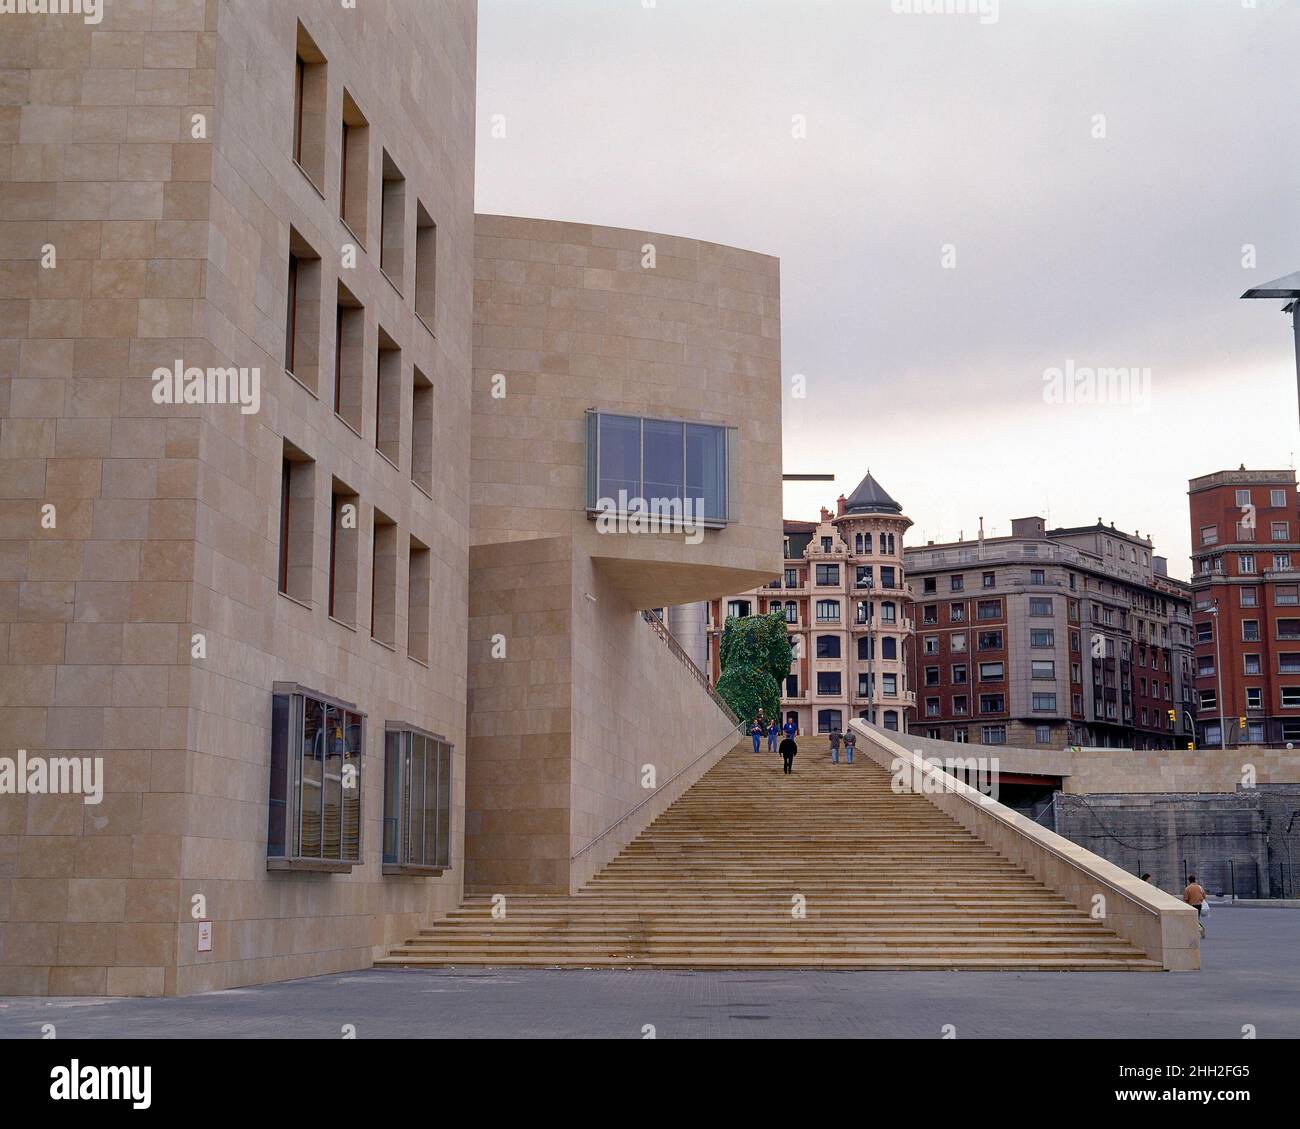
x=773 y=733
x=756 y=732
x=791 y=728
x=850 y=740
x=835 y=745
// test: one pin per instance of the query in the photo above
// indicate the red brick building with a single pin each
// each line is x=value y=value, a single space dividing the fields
x=1246 y=606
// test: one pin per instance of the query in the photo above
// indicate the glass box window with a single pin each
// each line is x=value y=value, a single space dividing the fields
x=417 y=799
x=635 y=463
x=315 y=797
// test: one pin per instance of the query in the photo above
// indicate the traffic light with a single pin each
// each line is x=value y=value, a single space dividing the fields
x=1173 y=717
x=1241 y=722
x=1191 y=744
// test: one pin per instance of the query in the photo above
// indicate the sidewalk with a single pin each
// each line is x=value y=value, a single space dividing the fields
x=1248 y=978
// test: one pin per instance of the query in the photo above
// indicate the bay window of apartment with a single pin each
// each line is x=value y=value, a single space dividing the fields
x=828 y=576
x=314 y=814
x=828 y=611
x=828 y=683
x=672 y=468
x=828 y=646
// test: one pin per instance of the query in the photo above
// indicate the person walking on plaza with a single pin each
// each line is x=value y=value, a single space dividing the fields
x=756 y=732
x=835 y=745
x=773 y=735
x=788 y=750
x=1194 y=895
x=850 y=742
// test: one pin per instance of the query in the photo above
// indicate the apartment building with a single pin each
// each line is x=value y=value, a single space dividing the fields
x=301 y=473
x=1246 y=591
x=1068 y=636
x=848 y=608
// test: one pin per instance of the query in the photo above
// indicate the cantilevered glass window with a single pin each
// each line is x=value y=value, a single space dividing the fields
x=657 y=464
x=417 y=800
x=315 y=794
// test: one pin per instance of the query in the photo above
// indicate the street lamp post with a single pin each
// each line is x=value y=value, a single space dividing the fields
x=1288 y=289
x=1218 y=673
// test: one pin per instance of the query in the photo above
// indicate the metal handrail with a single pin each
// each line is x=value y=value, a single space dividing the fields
x=686 y=660
x=733 y=736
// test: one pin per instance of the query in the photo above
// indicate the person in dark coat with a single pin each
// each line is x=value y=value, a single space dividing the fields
x=788 y=750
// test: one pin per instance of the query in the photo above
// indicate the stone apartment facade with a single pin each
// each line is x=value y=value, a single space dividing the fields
x=848 y=607
x=267 y=616
x=1052 y=638
x=1246 y=587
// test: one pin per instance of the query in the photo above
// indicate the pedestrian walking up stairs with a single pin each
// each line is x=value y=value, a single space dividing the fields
x=824 y=868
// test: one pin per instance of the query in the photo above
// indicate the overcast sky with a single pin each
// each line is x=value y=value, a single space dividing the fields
x=933 y=130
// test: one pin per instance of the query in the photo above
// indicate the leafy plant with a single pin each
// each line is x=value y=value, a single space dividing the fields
x=755 y=655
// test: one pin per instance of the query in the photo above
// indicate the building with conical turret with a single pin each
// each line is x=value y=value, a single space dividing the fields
x=849 y=609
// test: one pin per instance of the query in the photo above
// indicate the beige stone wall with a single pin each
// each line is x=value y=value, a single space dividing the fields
x=175 y=248
x=520 y=694
x=570 y=318
x=567 y=317
x=577 y=698
x=636 y=706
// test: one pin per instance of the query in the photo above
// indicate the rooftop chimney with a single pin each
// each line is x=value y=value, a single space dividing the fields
x=840 y=503
x=826 y=514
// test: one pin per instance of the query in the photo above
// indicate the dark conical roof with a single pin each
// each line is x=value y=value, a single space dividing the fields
x=870 y=498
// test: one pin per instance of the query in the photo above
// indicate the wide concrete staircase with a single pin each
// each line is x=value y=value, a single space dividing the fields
x=825 y=868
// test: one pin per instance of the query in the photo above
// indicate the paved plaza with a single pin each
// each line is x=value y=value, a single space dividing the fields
x=1248 y=977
